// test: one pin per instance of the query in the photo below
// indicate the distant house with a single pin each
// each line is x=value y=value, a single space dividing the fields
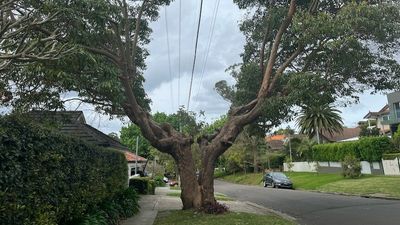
x=394 y=111
x=377 y=119
x=73 y=123
x=276 y=142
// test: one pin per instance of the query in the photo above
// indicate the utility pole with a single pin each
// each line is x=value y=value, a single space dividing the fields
x=137 y=148
x=290 y=148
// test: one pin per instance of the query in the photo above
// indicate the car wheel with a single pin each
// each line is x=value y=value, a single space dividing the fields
x=265 y=184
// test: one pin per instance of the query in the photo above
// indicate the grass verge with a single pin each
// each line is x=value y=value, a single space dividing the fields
x=191 y=217
x=382 y=186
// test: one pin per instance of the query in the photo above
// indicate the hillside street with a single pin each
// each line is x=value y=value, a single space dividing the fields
x=313 y=208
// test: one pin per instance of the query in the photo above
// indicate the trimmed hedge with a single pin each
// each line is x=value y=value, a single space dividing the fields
x=366 y=149
x=391 y=156
x=122 y=206
x=143 y=185
x=47 y=178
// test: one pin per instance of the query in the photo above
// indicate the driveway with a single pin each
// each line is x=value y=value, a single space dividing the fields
x=316 y=208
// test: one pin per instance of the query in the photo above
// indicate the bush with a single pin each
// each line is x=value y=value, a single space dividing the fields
x=367 y=149
x=142 y=185
x=351 y=167
x=123 y=205
x=47 y=178
x=159 y=182
x=216 y=208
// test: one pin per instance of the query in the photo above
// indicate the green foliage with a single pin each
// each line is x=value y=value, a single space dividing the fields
x=159 y=182
x=396 y=138
x=336 y=60
x=351 y=167
x=372 y=148
x=274 y=160
x=391 y=156
x=128 y=138
x=367 y=132
x=47 y=178
x=143 y=185
x=318 y=118
x=367 y=149
x=121 y=206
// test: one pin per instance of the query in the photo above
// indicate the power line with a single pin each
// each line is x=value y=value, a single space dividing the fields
x=179 y=59
x=169 y=60
x=195 y=54
x=212 y=29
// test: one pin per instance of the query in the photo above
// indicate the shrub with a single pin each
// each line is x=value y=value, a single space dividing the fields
x=123 y=205
x=142 y=185
x=216 y=208
x=351 y=167
x=47 y=178
x=159 y=182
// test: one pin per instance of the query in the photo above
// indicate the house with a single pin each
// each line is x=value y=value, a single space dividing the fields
x=377 y=119
x=393 y=119
x=276 y=142
x=73 y=123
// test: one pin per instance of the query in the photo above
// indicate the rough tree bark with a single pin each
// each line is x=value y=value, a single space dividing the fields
x=196 y=191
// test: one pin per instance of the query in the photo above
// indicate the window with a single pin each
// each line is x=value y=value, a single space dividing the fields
x=397 y=109
x=385 y=118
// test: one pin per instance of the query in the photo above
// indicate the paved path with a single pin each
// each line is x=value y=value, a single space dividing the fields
x=150 y=205
x=316 y=208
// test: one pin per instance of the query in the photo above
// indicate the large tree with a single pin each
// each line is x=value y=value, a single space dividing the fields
x=328 y=45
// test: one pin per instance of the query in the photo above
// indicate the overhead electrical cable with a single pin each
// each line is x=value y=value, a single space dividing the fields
x=179 y=58
x=212 y=29
x=169 y=61
x=195 y=55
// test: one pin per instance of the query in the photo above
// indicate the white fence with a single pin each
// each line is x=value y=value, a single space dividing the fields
x=335 y=167
x=301 y=167
x=391 y=167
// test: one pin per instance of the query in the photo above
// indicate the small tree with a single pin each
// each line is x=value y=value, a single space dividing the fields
x=351 y=167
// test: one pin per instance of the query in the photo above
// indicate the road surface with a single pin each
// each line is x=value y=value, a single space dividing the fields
x=313 y=208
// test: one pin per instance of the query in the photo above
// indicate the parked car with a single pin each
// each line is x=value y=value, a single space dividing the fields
x=277 y=180
x=173 y=183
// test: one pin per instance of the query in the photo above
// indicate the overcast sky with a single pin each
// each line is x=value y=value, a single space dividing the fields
x=226 y=46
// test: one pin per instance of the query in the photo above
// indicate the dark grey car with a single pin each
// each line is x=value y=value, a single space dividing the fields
x=277 y=180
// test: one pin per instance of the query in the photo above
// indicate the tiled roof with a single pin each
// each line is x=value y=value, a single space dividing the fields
x=131 y=157
x=347 y=133
x=279 y=137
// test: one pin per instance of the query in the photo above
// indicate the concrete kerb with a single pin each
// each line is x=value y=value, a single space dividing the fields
x=281 y=214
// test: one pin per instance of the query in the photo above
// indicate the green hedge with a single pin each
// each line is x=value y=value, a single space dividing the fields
x=366 y=149
x=122 y=206
x=47 y=178
x=143 y=185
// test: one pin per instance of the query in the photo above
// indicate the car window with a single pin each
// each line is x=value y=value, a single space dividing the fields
x=280 y=175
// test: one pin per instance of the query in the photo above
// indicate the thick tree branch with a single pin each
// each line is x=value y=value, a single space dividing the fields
x=273 y=55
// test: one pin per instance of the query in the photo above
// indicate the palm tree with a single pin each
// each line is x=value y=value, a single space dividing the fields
x=317 y=118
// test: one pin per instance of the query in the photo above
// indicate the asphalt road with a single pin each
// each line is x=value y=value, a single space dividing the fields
x=313 y=208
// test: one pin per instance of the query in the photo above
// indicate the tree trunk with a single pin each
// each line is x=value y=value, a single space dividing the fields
x=255 y=159
x=190 y=190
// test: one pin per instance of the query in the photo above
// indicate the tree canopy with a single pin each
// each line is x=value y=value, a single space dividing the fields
x=333 y=50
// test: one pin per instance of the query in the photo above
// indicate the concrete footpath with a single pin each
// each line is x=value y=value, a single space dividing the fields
x=150 y=205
